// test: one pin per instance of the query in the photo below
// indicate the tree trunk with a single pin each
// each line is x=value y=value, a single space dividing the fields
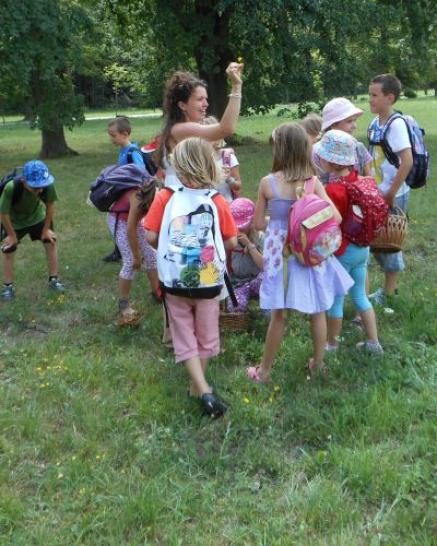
x=54 y=144
x=215 y=39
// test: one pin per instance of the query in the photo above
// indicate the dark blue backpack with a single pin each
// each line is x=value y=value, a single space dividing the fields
x=147 y=159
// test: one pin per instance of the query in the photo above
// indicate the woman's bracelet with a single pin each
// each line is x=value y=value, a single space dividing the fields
x=235 y=95
x=251 y=247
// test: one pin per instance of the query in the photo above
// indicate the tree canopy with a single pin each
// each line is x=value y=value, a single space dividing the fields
x=56 y=54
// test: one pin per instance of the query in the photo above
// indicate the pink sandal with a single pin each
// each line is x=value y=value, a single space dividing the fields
x=313 y=369
x=253 y=374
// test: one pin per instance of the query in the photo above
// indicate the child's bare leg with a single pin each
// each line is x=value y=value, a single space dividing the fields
x=198 y=384
x=391 y=282
x=369 y=322
x=52 y=258
x=152 y=275
x=318 y=334
x=275 y=334
x=334 y=330
x=193 y=390
x=8 y=267
x=124 y=286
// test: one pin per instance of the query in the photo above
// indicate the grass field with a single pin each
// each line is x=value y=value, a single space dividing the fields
x=100 y=445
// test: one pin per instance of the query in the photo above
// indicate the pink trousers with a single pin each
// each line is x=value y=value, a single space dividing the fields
x=194 y=326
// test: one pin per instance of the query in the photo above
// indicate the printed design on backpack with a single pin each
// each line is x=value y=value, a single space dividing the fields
x=313 y=232
x=367 y=211
x=191 y=254
x=377 y=135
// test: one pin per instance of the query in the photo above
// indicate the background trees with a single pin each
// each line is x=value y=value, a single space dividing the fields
x=58 y=55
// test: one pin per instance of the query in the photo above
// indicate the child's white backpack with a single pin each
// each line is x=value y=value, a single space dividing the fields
x=191 y=256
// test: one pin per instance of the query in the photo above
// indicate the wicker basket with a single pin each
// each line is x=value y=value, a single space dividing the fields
x=391 y=237
x=233 y=322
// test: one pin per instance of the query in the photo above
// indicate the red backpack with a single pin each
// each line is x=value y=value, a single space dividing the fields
x=367 y=211
x=313 y=232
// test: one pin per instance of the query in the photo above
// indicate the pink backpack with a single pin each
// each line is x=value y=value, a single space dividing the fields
x=313 y=232
x=367 y=211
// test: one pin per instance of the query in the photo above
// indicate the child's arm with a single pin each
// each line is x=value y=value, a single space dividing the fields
x=259 y=218
x=235 y=174
x=251 y=249
x=11 y=237
x=135 y=215
x=406 y=162
x=321 y=192
x=47 y=235
x=152 y=238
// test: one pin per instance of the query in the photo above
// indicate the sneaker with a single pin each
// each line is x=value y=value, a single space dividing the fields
x=56 y=285
x=113 y=256
x=7 y=293
x=378 y=297
x=372 y=347
x=213 y=406
x=128 y=317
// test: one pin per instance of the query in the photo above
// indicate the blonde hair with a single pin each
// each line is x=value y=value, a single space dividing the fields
x=193 y=161
x=312 y=123
x=292 y=152
x=212 y=120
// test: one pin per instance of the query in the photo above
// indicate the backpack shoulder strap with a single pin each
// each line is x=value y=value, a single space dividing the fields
x=132 y=148
x=309 y=185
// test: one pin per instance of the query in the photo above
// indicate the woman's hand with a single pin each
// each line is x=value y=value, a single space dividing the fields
x=234 y=72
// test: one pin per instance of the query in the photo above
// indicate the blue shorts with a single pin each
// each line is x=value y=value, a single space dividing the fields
x=394 y=261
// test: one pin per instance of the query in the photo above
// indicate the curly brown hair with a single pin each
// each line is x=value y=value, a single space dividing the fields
x=178 y=88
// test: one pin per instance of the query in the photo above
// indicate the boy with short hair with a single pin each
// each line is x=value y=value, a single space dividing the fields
x=119 y=131
x=27 y=208
x=384 y=91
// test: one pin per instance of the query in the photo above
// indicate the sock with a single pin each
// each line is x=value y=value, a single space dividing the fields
x=53 y=278
x=123 y=304
x=6 y=284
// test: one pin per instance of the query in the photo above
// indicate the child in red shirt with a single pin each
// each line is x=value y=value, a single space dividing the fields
x=194 y=320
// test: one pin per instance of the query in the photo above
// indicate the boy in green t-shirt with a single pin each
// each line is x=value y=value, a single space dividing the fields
x=27 y=208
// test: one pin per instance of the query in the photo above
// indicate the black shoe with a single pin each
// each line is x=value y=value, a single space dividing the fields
x=114 y=256
x=213 y=406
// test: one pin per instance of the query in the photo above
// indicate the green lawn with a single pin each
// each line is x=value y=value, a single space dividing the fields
x=100 y=445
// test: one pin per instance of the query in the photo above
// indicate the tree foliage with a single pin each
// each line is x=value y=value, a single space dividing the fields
x=41 y=44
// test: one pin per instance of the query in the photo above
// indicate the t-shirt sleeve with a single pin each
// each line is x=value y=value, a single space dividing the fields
x=397 y=136
x=234 y=161
x=6 y=198
x=338 y=194
x=137 y=158
x=153 y=219
x=227 y=224
x=52 y=196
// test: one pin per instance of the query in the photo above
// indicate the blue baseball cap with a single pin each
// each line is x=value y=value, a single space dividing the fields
x=37 y=175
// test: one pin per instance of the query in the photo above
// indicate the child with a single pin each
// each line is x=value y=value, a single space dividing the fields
x=312 y=123
x=341 y=114
x=230 y=183
x=246 y=261
x=27 y=208
x=191 y=259
x=119 y=131
x=337 y=157
x=124 y=222
x=307 y=289
x=384 y=91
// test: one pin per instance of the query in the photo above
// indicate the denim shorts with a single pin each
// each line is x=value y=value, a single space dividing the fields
x=394 y=261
